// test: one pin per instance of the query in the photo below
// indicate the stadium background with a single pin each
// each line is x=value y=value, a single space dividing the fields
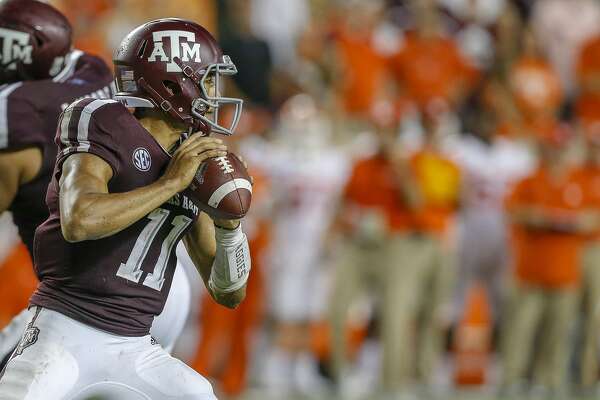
x=395 y=147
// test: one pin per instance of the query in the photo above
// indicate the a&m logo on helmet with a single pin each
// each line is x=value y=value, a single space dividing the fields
x=186 y=50
x=15 y=46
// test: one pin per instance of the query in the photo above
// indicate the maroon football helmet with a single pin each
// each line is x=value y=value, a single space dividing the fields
x=172 y=64
x=35 y=40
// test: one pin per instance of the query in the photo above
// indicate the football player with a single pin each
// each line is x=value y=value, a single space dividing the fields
x=119 y=204
x=307 y=172
x=42 y=74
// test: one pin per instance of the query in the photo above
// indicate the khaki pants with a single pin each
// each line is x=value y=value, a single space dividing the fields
x=411 y=279
x=591 y=327
x=532 y=313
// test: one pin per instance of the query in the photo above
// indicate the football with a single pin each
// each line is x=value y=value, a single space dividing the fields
x=223 y=187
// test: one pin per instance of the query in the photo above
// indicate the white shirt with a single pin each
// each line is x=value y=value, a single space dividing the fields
x=489 y=170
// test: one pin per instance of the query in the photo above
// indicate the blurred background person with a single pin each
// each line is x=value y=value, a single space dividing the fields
x=589 y=175
x=306 y=171
x=428 y=65
x=359 y=61
x=561 y=27
x=437 y=182
x=378 y=252
x=536 y=89
x=548 y=223
x=478 y=27
x=491 y=161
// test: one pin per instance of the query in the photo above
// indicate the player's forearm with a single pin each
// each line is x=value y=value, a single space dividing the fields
x=201 y=247
x=90 y=216
x=203 y=244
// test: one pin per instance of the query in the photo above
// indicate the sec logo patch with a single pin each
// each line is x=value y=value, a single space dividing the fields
x=142 y=159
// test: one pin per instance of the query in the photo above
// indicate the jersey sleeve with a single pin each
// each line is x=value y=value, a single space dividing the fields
x=21 y=124
x=81 y=129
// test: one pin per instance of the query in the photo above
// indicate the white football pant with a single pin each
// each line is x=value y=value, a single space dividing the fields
x=59 y=358
x=166 y=327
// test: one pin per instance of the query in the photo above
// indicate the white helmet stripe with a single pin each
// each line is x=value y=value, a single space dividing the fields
x=226 y=188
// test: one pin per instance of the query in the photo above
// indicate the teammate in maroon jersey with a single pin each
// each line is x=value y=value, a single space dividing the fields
x=40 y=75
x=118 y=205
x=44 y=75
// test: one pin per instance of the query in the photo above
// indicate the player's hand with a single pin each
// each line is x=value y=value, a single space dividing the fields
x=246 y=166
x=188 y=157
x=230 y=300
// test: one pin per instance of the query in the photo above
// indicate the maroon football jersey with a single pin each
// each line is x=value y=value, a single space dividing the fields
x=29 y=113
x=118 y=283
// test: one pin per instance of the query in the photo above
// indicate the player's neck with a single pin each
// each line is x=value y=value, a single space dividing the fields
x=164 y=133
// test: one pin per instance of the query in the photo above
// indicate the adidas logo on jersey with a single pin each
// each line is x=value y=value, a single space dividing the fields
x=15 y=46
x=187 y=51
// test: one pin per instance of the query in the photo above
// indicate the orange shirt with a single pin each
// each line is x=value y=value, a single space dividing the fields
x=438 y=179
x=536 y=86
x=588 y=64
x=363 y=71
x=430 y=69
x=373 y=184
x=546 y=258
x=589 y=176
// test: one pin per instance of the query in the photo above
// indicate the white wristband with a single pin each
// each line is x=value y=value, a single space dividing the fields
x=232 y=264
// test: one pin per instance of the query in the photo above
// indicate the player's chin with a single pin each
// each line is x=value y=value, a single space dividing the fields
x=231 y=300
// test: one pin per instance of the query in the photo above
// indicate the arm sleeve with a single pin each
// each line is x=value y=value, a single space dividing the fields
x=80 y=130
